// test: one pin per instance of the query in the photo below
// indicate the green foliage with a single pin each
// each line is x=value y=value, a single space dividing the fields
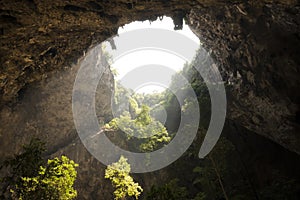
x=224 y=173
x=143 y=117
x=30 y=159
x=169 y=191
x=159 y=136
x=26 y=164
x=211 y=168
x=149 y=99
x=55 y=181
x=143 y=133
x=122 y=98
x=154 y=134
x=118 y=174
x=28 y=179
x=133 y=107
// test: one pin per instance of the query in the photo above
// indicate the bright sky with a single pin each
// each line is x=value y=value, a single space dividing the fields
x=131 y=61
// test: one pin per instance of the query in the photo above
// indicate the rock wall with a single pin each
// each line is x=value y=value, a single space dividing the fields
x=45 y=111
x=39 y=37
x=256 y=47
x=255 y=44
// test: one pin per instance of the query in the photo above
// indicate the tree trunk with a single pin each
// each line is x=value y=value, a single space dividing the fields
x=219 y=176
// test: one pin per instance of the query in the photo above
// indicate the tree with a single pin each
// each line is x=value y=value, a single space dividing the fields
x=31 y=178
x=26 y=164
x=215 y=167
x=55 y=181
x=118 y=174
x=169 y=191
x=143 y=116
x=133 y=107
x=121 y=98
x=145 y=133
x=212 y=171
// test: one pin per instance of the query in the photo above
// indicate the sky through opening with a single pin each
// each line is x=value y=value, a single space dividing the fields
x=135 y=59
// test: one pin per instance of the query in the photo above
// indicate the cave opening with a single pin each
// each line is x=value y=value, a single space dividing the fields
x=148 y=74
x=145 y=55
x=254 y=44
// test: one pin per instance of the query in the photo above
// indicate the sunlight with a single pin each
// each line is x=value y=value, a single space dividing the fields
x=138 y=58
x=166 y=23
x=152 y=88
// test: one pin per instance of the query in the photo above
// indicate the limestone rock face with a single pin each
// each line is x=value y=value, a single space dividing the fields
x=255 y=45
x=45 y=111
x=41 y=37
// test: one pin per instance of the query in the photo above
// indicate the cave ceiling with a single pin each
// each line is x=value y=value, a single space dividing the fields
x=254 y=43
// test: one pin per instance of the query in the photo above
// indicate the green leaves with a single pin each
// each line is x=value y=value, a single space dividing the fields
x=169 y=191
x=26 y=164
x=147 y=133
x=143 y=117
x=30 y=178
x=55 y=181
x=118 y=174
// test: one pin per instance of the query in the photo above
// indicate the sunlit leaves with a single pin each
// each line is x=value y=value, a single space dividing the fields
x=152 y=132
x=55 y=181
x=31 y=178
x=143 y=116
x=118 y=174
